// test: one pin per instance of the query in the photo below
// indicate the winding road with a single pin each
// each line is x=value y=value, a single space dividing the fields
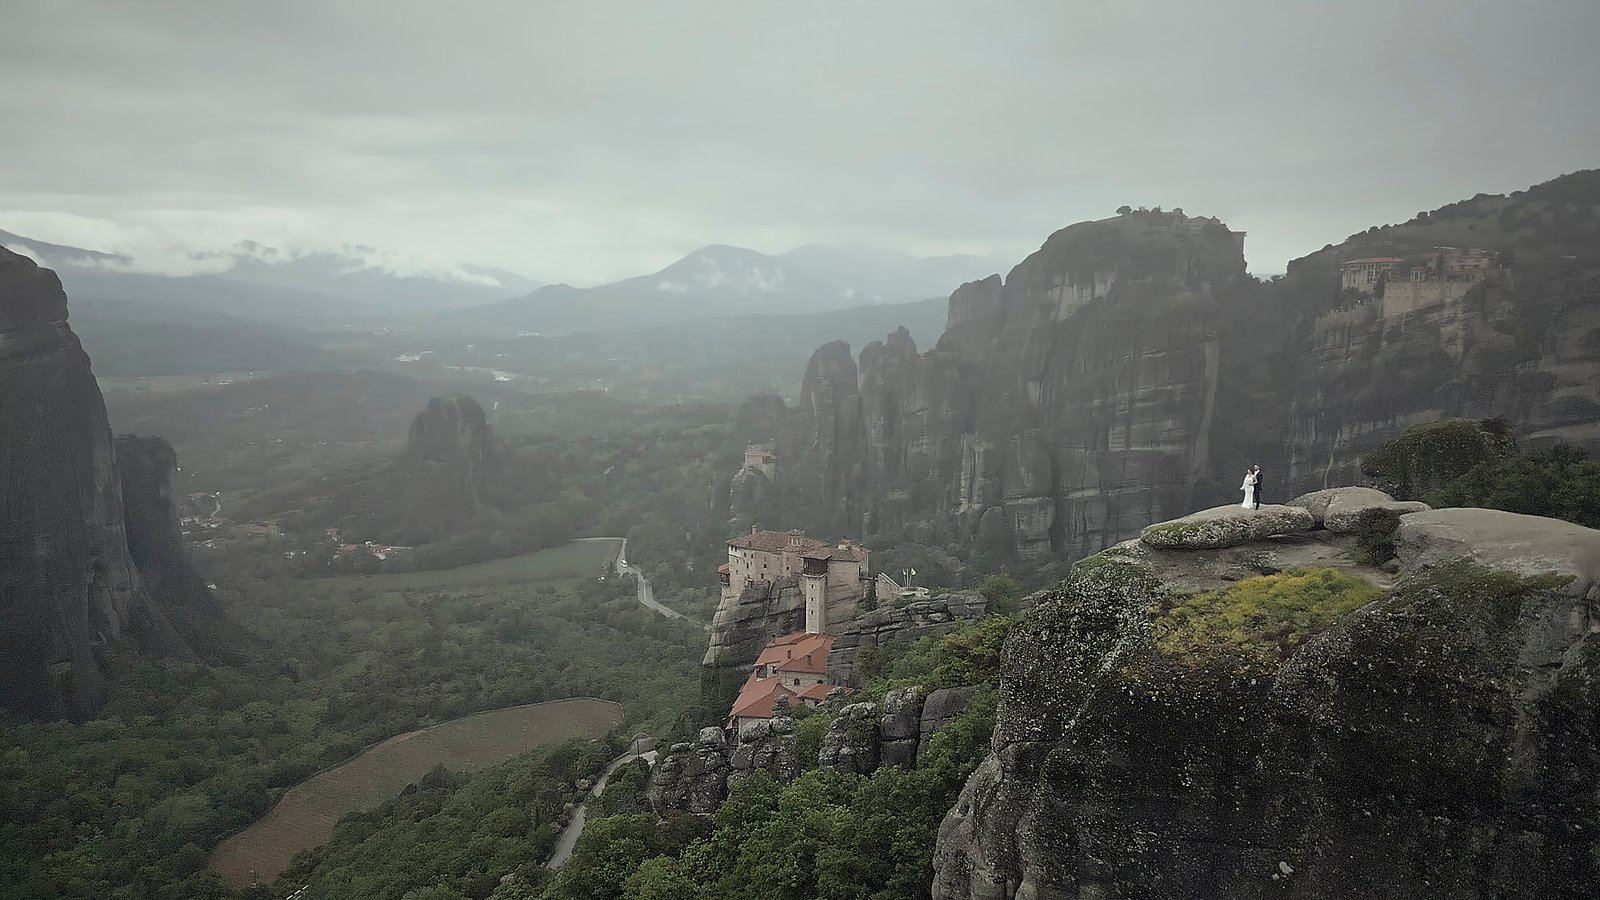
x=647 y=595
x=569 y=835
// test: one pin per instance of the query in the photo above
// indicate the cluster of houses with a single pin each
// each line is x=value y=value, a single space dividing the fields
x=210 y=532
x=381 y=551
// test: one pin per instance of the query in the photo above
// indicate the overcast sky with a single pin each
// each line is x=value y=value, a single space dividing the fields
x=585 y=141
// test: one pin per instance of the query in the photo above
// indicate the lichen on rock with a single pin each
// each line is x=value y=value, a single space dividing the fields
x=1226 y=526
x=1437 y=741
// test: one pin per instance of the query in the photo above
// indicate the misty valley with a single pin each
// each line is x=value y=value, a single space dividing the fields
x=366 y=623
x=769 y=452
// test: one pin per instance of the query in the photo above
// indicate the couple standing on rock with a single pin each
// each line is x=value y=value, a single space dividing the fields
x=1253 y=478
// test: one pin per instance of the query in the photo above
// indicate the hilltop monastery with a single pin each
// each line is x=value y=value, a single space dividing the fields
x=793 y=667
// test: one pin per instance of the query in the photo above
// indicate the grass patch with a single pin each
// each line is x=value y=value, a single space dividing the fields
x=578 y=559
x=1259 y=619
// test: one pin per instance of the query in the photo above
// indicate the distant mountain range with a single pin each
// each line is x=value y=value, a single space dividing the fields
x=355 y=289
x=255 y=281
x=719 y=281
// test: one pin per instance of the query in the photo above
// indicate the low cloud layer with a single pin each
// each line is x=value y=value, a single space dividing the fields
x=585 y=142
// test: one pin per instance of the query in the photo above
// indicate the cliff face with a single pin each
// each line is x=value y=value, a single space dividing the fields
x=1061 y=409
x=1524 y=345
x=1129 y=370
x=145 y=466
x=763 y=610
x=68 y=586
x=1436 y=742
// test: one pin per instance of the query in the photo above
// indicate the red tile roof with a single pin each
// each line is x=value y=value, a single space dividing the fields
x=723 y=568
x=797 y=652
x=757 y=697
x=776 y=541
x=843 y=550
x=820 y=692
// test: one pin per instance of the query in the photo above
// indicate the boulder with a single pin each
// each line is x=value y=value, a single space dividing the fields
x=851 y=744
x=768 y=745
x=939 y=709
x=1227 y=526
x=693 y=778
x=900 y=726
x=1340 y=509
x=1511 y=542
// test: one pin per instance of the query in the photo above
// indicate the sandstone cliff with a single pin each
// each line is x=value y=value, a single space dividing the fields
x=145 y=466
x=1435 y=742
x=455 y=473
x=69 y=589
x=1062 y=409
x=1129 y=370
x=763 y=610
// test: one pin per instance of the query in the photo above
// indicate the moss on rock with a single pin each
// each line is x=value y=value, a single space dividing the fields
x=1260 y=619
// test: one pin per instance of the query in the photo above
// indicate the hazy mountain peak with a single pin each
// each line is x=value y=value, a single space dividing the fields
x=719 y=267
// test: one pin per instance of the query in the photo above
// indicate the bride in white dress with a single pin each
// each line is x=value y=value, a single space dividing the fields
x=1249 y=488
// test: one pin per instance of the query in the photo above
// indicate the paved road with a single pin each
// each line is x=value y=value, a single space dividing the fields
x=569 y=835
x=647 y=595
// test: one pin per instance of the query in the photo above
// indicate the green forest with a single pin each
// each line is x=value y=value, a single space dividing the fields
x=1461 y=462
x=128 y=805
x=455 y=837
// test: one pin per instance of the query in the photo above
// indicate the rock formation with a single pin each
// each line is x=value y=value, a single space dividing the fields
x=1227 y=526
x=454 y=429
x=764 y=610
x=454 y=468
x=752 y=500
x=1435 y=742
x=899 y=622
x=150 y=516
x=852 y=742
x=68 y=586
x=900 y=727
x=1129 y=370
x=691 y=778
x=1063 y=406
x=940 y=709
x=1341 y=509
x=766 y=746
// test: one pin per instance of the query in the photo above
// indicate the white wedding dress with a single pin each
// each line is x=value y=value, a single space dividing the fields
x=1249 y=493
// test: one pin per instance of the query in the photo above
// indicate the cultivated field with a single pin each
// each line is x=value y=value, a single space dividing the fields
x=306 y=815
x=575 y=560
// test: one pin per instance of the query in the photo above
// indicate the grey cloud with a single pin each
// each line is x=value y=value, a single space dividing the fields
x=589 y=141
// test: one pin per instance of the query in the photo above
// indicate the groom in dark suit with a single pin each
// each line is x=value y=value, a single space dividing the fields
x=1260 y=477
